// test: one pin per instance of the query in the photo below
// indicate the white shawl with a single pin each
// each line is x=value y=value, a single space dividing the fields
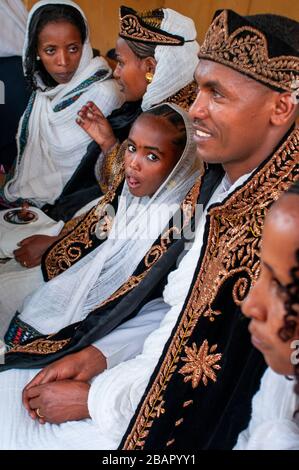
x=55 y=144
x=13 y=17
x=175 y=64
x=70 y=296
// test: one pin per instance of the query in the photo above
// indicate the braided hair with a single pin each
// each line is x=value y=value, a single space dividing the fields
x=291 y=318
x=174 y=118
x=41 y=17
x=141 y=50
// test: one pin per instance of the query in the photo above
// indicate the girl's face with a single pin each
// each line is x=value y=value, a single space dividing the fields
x=130 y=72
x=151 y=154
x=60 y=49
x=265 y=302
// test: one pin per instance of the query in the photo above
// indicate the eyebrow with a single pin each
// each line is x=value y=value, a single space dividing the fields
x=148 y=147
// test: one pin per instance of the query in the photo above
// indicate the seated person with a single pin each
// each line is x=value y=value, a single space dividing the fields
x=62 y=73
x=160 y=169
x=273 y=307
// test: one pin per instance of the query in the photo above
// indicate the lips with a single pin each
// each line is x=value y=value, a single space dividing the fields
x=64 y=76
x=132 y=181
x=257 y=341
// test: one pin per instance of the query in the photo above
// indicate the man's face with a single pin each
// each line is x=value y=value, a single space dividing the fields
x=231 y=114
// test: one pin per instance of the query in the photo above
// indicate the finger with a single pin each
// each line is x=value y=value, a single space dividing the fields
x=36 y=380
x=93 y=107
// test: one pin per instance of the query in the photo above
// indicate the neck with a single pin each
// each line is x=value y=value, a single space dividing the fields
x=237 y=168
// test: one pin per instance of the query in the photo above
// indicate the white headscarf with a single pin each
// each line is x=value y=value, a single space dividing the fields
x=13 y=17
x=69 y=297
x=55 y=143
x=175 y=64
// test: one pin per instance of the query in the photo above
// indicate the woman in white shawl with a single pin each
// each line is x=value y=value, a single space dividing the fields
x=141 y=217
x=50 y=143
x=273 y=306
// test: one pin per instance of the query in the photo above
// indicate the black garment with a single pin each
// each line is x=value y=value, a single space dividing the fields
x=200 y=394
x=119 y=308
x=83 y=186
x=16 y=98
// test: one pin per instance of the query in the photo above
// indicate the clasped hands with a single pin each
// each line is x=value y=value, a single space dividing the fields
x=59 y=392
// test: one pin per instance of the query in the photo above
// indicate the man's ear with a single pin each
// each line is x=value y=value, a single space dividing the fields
x=284 y=109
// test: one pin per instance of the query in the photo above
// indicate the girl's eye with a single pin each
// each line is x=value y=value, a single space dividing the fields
x=73 y=49
x=152 y=157
x=278 y=287
x=131 y=148
x=50 y=51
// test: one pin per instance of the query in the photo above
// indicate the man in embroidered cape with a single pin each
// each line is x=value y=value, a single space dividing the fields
x=192 y=385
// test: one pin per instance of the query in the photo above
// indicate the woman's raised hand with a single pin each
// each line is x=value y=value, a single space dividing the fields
x=93 y=121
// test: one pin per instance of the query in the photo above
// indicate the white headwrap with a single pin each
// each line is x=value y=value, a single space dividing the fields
x=55 y=143
x=175 y=64
x=69 y=297
x=13 y=17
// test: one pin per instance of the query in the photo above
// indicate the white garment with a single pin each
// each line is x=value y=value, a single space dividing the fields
x=56 y=144
x=114 y=394
x=13 y=18
x=175 y=64
x=69 y=297
x=272 y=425
x=122 y=344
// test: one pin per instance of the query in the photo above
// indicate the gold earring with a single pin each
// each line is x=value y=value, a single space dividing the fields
x=149 y=77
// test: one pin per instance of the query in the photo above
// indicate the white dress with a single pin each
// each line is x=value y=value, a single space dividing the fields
x=114 y=394
x=272 y=425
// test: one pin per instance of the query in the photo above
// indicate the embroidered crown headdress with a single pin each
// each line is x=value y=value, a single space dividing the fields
x=146 y=27
x=235 y=41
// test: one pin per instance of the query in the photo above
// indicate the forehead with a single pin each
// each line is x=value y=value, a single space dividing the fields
x=57 y=30
x=209 y=71
x=150 y=130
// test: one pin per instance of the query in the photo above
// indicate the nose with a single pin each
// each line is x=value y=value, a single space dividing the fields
x=62 y=58
x=135 y=163
x=199 y=109
x=254 y=306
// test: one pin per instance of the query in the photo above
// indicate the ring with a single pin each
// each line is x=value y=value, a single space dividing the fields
x=39 y=413
x=25 y=264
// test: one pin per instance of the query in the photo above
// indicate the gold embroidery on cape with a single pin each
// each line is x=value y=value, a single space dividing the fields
x=110 y=168
x=40 y=346
x=156 y=251
x=231 y=249
x=64 y=254
x=200 y=364
x=246 y=50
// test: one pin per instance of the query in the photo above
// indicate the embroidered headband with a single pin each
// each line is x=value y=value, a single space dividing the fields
x=146 y=27
x=235 y=41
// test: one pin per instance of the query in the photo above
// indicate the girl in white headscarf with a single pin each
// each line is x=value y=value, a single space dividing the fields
x=140 y=219
x=50 y=143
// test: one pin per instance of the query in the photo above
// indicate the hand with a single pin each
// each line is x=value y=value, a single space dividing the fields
x=93 y=121
x=81 y=366
x=58 y=402
x=32 y=249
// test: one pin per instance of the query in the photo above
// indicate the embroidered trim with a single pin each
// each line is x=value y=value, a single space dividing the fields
x=41 y=346
x=231 y=249
x=157 y=251
x=146 y=28
x=184 y=97
x=246 y=50
x=69 y=249
x=19 y=332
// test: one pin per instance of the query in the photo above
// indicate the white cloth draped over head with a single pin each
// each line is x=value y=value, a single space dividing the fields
x=55 y=143
x=13 y=18
x=175 y=64
x=69 y=297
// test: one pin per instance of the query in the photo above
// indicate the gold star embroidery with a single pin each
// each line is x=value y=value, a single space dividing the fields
x=200 y=364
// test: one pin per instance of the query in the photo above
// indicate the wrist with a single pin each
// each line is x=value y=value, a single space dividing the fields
x=108 y=144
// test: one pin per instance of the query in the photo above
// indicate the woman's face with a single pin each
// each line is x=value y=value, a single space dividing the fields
x=265 y=302
x=60 y=49
x=130 y=72
x=151 y=154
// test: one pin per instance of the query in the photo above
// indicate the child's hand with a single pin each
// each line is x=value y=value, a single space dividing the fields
x=92 y=120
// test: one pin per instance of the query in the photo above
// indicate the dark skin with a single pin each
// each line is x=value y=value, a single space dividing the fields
x=60 y=50
x=227 y=100
x=130 y=75
x=60 y=390
x=32 y=249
